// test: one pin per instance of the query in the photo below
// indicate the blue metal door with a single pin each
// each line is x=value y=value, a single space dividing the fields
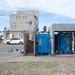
x=65 y=43
x=43 y=43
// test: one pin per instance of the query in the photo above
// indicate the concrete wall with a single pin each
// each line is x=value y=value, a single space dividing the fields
x=58 y=28
x=63 y=27
x=21 y=24
x=29 y=46
x=52 y=40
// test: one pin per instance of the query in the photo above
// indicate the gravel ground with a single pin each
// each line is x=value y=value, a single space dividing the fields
x=38 y=68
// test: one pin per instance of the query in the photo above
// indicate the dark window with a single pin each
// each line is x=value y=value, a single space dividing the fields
x=24 y=17
x=18 y=17
x=28 y=26
x=14 y=39
x=18 y=38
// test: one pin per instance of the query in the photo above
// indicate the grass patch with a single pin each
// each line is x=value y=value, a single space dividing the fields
x=8 y=73
x=29 y=64
x=50 y=64
x=34 y=74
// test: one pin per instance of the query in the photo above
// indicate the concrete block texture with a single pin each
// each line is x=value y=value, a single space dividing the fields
x=63 y=27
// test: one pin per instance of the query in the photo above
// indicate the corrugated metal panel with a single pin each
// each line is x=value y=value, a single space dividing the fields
x=43 y=44
x=65 y=43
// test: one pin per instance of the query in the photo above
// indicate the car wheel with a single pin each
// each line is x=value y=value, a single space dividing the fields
x=21 y=43
x=8 y=43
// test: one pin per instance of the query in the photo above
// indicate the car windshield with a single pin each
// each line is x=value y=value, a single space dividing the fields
x=15 y=39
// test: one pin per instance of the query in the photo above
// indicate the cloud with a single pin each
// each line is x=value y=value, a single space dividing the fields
x=61 y=7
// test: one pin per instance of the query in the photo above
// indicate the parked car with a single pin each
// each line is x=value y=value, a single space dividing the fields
x=14 y=41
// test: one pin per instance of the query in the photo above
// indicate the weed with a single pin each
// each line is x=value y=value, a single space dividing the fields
x=8 y=73
x=34 y=74
x=50 y=64
x=29 y=64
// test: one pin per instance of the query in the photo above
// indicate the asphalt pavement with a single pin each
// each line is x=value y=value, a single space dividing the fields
x=15 y=56
x=9 y=52
x=6 y=48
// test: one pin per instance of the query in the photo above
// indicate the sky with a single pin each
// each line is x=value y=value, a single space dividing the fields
x=50 y=11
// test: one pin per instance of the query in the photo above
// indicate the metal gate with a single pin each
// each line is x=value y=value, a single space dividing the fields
x=65 y=43
x=43 y=44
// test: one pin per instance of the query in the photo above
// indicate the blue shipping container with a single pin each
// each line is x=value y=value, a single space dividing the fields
x=65 y=43
x=43 y=44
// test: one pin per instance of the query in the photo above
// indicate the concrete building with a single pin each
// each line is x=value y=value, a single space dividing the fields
x=20 y=21
x=60 y=28
x=54 y=29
